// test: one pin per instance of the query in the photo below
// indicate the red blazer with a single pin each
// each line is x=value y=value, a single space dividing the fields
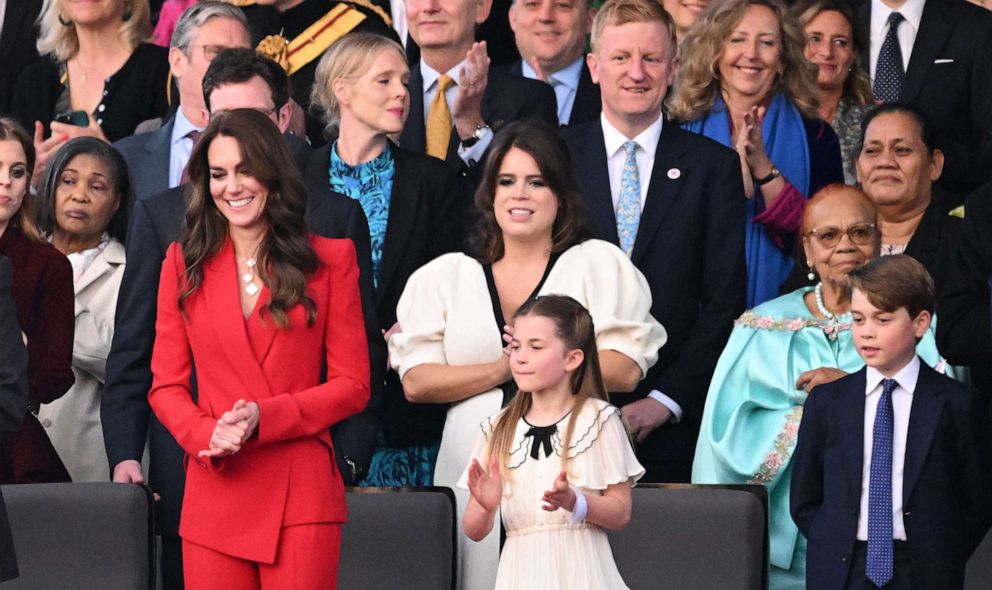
x=285 y=475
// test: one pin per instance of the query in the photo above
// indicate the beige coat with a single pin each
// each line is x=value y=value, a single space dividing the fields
x=73 y=421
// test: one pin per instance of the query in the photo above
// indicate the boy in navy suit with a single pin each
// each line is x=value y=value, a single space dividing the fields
x=891 y=473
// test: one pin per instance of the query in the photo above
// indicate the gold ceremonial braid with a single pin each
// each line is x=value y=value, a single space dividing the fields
x=376 y=9
x=311 y=43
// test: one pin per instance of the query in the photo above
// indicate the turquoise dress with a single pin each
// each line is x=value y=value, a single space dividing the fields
x=371 y=184
x=753 y=410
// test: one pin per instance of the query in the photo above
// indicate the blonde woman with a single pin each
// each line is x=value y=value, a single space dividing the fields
x=746 y=84
x=360 y=91
x=96 y=76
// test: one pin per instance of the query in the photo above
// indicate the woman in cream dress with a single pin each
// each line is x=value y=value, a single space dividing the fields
x=531 y=241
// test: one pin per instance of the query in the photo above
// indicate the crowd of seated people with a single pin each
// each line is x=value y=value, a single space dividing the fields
x=285 y=245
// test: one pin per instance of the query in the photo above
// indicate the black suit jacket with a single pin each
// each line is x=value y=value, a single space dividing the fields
x=13 y=397
x=956 y=92
x=690 y=247
x=588 y=104
x=17 y=46
x=124 y=410
x=945 y=481
x=963 y=305
x=424 y=223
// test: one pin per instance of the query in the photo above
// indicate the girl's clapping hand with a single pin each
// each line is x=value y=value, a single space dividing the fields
x=486 y=488
x=560 y=495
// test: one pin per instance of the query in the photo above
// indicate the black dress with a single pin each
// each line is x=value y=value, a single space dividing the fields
x=135 y=93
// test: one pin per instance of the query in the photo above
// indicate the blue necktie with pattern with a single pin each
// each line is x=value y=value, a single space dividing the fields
x=889 y=71
x=878 y=567
x=629 y=203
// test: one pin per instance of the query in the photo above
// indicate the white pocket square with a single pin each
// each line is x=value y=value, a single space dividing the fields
x=943 y=61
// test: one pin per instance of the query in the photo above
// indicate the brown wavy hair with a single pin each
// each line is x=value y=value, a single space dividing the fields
x=857 y=85
x=285 y=257
x=553 y=160
x=11 y=130
x=698 y=82
x=574 y=326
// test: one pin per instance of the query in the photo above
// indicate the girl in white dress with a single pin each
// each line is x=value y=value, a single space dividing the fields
x=560 y=464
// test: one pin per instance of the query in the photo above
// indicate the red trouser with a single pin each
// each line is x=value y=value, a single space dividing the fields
x=307 y=559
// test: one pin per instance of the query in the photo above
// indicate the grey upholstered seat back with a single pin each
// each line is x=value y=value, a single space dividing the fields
x=398 y=538
x=81 y=536
x=693 y=537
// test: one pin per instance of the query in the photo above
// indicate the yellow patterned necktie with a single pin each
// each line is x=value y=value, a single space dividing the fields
x=439 y=121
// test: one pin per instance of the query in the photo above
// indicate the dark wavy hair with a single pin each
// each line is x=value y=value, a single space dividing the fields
x=285 y=257
x=119 y=179
x=553 y=160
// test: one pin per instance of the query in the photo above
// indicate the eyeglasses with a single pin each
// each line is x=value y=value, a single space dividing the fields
x=860 y=234
x=209 y=51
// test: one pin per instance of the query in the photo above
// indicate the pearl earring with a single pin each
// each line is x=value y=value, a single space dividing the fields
x=810 y=275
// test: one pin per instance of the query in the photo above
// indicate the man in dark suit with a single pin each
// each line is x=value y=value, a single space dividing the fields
x=681 y=195
x=943 y=68
x=963 y=330
x=551 y=38
x=124 y=407
x=157 y=159
x=868 y=527
x=13 y=397
x=478 y=100
x=18 y=33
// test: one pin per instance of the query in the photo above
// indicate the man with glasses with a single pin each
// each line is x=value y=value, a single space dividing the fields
x=237 y=78
x=157 y=158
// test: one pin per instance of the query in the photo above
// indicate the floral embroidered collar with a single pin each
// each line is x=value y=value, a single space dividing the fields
x=831 y=328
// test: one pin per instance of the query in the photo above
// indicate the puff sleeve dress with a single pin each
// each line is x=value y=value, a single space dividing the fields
x=543 y=549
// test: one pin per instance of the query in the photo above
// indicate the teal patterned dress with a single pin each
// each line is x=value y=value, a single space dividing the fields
x=371 y=184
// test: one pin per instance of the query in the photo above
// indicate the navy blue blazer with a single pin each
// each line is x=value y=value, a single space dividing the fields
x=690 y=247
x=946 y=480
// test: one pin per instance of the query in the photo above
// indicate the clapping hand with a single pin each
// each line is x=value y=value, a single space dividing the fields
x=486 y=488
x=232 y=431
x=561 y=495
x=473 y=79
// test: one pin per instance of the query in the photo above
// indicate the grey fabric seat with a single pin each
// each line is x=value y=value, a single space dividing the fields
x=398 y=538
x=81 y=536
x=695 y=536
x=978 y=574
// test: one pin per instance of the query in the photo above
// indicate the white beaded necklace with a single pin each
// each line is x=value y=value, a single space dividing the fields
x=835 y=322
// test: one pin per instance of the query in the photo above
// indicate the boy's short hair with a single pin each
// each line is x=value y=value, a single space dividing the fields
x=892 y=282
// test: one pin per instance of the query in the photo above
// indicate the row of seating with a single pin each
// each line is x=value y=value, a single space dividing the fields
x=100 y=535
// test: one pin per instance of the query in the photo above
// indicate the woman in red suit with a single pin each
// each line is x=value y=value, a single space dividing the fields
x=258 y=306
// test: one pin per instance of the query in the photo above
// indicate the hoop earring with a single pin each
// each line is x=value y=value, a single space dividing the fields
x=65 y=22
x=128 y=12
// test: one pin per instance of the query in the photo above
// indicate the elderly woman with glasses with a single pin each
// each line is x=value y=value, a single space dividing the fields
x=777 y=353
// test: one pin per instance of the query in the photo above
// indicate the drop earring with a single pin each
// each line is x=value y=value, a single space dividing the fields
x=810 y=275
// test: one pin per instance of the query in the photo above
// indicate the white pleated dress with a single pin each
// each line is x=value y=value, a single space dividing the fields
x=543 y=550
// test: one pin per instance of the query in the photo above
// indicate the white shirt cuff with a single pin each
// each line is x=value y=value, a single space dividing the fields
x=474 y=154
x=669 y=403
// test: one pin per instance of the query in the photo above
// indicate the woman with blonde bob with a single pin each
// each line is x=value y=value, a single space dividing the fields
x=96 y=77
x=360 y=91
x=745 y=83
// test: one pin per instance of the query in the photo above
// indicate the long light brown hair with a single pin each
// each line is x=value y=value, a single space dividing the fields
x=574 y=327
x=857 y=85
x=285 y=257
x=23 y=218
x=698 y=84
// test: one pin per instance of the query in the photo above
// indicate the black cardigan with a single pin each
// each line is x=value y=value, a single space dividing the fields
x=135 y=93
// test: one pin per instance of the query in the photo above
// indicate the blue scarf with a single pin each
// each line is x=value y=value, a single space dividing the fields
x=787 y=146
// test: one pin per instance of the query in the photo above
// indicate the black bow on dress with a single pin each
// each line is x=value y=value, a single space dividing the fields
x=541 y=436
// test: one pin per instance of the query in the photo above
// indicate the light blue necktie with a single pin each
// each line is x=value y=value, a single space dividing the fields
x=878 y=567
x=629 y=203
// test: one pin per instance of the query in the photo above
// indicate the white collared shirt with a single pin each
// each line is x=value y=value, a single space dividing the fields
x=566 y=87
x=430 y=75
x=902 y=403
x=180 y=147
x=912 y=10
x=616 y=156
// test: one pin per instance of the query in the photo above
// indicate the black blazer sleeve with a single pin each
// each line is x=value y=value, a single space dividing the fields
x=806 y=488
x=963 y=307
x=13 y=358
x=124 y=409
x=826 y=164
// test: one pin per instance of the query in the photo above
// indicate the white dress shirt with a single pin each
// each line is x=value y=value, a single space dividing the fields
x=912 y=10
x=566 y=85
x=469 y=155
x=181 y=147
x=902 y=403
x=616 y=156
